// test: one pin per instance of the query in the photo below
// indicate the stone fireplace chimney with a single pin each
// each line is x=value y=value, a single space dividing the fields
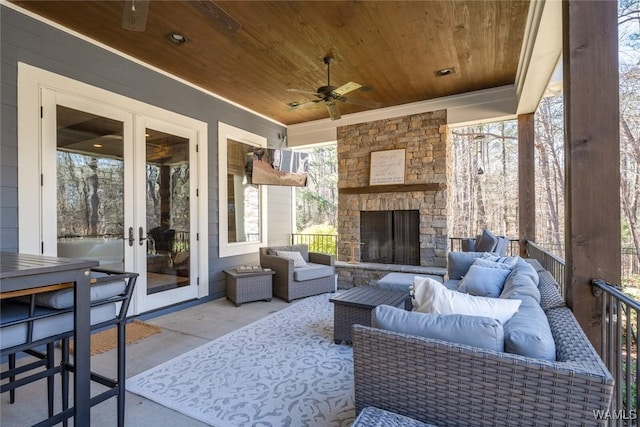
x=424 y=137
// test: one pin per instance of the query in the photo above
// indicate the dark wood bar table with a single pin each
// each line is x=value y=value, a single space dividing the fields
x=22 y=272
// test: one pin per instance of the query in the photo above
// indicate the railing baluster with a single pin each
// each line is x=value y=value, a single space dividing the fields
x=324 y=243
x=618 y=335
x=628 y=365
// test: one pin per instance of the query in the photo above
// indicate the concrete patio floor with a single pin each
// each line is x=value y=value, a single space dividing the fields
x=181 y=331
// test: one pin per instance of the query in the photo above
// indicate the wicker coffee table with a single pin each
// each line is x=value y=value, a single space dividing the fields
x=355 y=305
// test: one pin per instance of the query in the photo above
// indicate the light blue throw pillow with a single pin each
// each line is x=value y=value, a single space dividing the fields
x=508 y=260
x=475 y=331
x=483 y=280
x=458 y=263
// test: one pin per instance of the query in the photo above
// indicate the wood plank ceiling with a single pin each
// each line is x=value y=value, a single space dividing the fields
x=392 y=48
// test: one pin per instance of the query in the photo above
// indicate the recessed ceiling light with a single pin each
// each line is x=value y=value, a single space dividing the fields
x=176 y=38
x=445 y=72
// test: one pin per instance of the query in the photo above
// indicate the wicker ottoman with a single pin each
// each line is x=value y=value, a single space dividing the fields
x=355 y=305
x=246 y=287
x=375 y=417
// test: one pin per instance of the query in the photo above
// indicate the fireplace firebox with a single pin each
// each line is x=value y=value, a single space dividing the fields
x=390 y=237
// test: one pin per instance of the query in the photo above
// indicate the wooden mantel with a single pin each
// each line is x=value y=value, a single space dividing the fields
x=395 y=188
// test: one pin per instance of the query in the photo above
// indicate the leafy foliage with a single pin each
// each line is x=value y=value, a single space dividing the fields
x=318 y=202
x=319 y=240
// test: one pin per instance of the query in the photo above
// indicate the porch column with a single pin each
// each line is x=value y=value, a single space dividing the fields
x=592 y=155
x=526 y=181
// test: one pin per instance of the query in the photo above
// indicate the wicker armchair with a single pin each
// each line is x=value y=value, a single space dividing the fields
x=289 y=282
x=450 y=384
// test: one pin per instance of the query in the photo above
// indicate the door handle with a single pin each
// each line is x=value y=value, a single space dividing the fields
x=141 y=236
x=131 y=238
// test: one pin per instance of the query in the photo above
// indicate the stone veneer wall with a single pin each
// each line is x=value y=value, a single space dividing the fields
x=425 y=139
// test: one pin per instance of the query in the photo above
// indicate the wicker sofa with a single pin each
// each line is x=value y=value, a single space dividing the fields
x=450 y=384
x=289 y=282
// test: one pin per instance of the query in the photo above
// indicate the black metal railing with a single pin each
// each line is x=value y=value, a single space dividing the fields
x=455 y=244
x=629 y=260
x=322 y=243
x=549 y=261
x=619 y=350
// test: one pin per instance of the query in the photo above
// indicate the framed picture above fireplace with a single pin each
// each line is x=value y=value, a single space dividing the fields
x=387 y=167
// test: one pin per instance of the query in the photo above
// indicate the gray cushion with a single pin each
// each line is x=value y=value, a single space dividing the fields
x=64 y=297
x=528 y=333
x=458 y=263
x=525 y=268
x=484 y=280
x=519 y=285
x=476 y=331
x=502 y=245
x=11 y=336
x=511 y=261
x=452 y=284
x=487 y=243
x=294 y=256
x=400 y=281
x=311 y=271
x=303 y=249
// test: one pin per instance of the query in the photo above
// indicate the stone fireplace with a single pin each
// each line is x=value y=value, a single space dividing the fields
x=424 y=138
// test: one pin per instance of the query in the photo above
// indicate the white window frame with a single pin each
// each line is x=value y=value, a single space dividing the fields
x=226 y=132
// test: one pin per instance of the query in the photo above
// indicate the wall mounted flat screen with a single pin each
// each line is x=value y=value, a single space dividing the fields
x=279 y=167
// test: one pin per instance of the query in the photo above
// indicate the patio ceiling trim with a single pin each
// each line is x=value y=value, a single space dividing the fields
x=471 y=107
x=541 y=51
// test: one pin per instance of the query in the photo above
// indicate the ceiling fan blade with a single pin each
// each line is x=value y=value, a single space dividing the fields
x=361 y=102
x=134 y=15
x=346 y=88
x=296 y=105
x=334 y=112
x=304 y=92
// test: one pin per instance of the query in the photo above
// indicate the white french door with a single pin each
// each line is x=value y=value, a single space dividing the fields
x=121 y=187
x=165 y=226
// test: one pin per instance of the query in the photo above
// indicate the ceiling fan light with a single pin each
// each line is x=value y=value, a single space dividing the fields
x=176 y=38
x=445 y=72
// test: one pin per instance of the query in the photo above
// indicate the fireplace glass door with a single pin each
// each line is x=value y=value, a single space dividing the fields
x=390 y=237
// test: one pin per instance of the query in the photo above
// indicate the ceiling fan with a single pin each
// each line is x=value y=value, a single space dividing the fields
x=330 y=94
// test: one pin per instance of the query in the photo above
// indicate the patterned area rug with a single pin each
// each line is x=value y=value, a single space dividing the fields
x=283 y=370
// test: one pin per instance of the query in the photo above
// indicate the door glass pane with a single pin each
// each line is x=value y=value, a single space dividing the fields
x=168 y=216
x=90 y=187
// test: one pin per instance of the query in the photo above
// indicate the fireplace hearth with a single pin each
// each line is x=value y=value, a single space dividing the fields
x=390 y=237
